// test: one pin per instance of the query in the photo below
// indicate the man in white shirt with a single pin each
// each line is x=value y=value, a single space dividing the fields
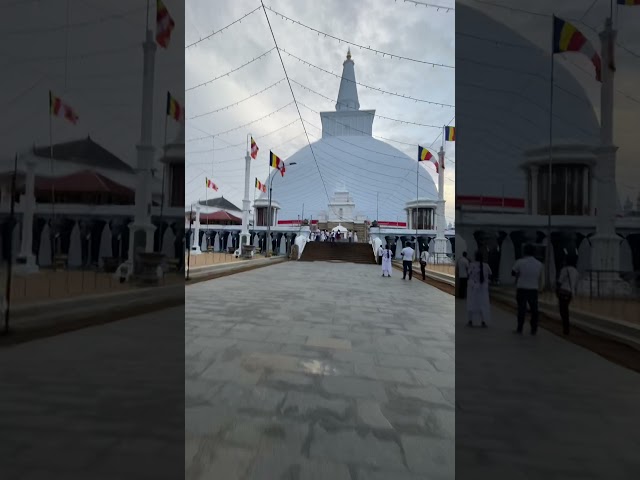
x=462 y=269
x=407 y=261
x=528 y=273
x=379 y=253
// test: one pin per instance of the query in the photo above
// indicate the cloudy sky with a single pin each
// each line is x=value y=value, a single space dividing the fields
x=531 y=20
x=99 y=73
x=399 y=28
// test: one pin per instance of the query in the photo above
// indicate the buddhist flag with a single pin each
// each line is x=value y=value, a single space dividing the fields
x=58 y=108
x=261 y=186
x=276 y=162
x=629 y=2
x=450 y=134
x=254 y=149
x=164 y=24
x=212 y=185
x=425 y=155
x=174 y=109
x=567 y=38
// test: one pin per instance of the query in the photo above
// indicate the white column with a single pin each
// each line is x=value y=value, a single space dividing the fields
x=246 y=203
x=534 y=190
x=27 y=259
x=195 y=241
x=586 y=194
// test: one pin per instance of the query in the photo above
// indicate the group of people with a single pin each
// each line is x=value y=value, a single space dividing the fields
x=385 y=255
x=473 y=282
x=331 y=236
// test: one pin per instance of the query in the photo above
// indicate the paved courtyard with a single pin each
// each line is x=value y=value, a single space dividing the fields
x=319 y=371
x=541 y=407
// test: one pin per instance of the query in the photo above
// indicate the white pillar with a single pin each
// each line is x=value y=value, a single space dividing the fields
x=27 y=260
x=195 y=241
x=441 y=245
x=245 y=238
x=585 y=190
x=534 y=190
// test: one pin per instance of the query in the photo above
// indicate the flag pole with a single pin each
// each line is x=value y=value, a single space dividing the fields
x=190 y=240
x=164 y=169
x=10 y=264
x=550 y=180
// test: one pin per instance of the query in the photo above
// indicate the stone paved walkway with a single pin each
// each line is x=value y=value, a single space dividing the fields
x=541 y=407
x=325 y=371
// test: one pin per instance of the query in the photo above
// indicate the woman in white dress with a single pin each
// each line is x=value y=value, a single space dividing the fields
x=478 y=291
x=386 y=262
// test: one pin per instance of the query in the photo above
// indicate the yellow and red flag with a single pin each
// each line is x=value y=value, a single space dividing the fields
x=174 y=109
x=212 y=185
x=254 y=149
x=58 y=108
x=425 y=155
x=276 y=162
x=567 y=38
x=164 y=24
x=261 y=186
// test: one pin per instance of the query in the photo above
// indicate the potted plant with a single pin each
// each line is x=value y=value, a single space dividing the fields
x=374 y=224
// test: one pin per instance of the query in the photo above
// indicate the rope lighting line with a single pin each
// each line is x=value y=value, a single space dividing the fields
x=374 y=115
x=230 y=72
x=366 y=86
x=294 y=100
x=432 y=5
x=238 y=102
x=377 y=52
x=241 y=126
x=215 y=32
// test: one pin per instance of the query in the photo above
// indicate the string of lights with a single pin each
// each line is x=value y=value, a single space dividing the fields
x=363 y=47
x=405 y=122
x=230 y=72
x=215 y=32
x=367 y=86
x=432 y=5
x=79 y=56
x=241 y=126
x=238 y=102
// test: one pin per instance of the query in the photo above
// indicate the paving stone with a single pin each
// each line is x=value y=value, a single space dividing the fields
x=405 y=361
x=441 y=422
x=435 y=378
x=347 y=446
x=322 y=470
x=230 y=372
x=430 y=456
x=333 y=343
x=355 y=387
x=305 y=404
x=424 y=394
x=225 y=462
x=290 y=378
x=353 y=357
x=385 y=374
x=370 y=415
x=206 y=420
x=256 y=398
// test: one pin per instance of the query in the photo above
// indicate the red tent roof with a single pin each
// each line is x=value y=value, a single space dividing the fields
x=220 y=215
x=82 y=182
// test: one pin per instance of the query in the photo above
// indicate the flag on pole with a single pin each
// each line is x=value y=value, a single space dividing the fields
x=261 y=186
x=425 y=155
x=254 y=149
x=629 y=2
x=174 y=109
x=567 y=38
x=450 y=134
x=276 y=162
x=164 y=24
x=212 y=185
x=58 y=108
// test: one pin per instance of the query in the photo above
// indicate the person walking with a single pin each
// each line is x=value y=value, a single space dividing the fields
x=386 y=261
x=350 y=236
x=566 y=290
x=355 y=237
x=424 y=258
x=528 y=273
x=379 y=253
x=462 y=271
x=478 y=295
x=407 y=261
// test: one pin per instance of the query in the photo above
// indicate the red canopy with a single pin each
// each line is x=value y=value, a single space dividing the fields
x=221 y=216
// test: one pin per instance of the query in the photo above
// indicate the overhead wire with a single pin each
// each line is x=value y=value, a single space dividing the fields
x=215 y=32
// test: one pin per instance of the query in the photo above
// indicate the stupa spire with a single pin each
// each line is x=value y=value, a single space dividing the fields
x=348 y=94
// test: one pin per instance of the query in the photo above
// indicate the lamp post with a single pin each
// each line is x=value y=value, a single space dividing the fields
x=267 y=238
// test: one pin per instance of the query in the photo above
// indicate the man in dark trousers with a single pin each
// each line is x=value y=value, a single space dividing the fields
x=462 y=271
x=407 y=261
x=528 y=273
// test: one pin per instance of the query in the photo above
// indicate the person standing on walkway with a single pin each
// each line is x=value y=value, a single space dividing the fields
x=350 y=236
x=528 y=273
x=379 y=253
x=386 y=261
x=424 y=258
x=355 y=237
x=407 y=261
x=566 y=290
x=478 y=299
x=462 y=271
